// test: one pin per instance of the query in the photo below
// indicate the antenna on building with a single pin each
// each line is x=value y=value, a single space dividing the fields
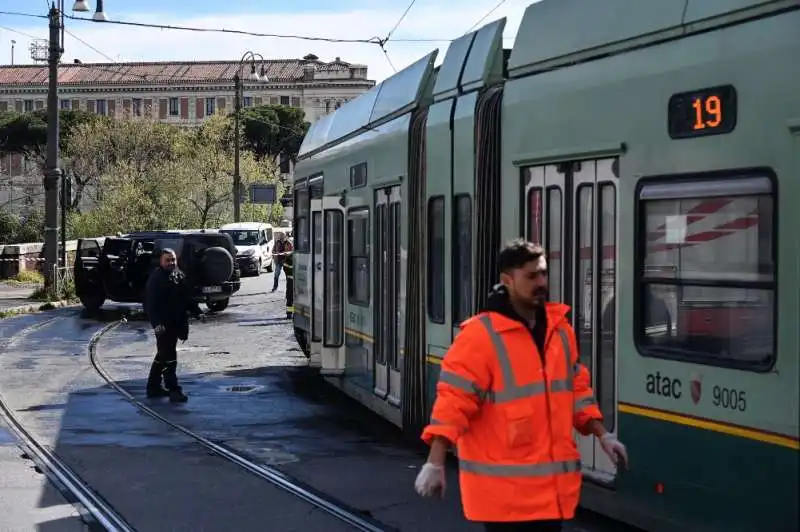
x=39 y=50
x=13 y=42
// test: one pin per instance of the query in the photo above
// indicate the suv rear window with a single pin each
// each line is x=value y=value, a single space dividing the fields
x=203 y=241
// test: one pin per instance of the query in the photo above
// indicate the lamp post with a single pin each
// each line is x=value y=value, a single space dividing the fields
x=53 y=174
x=237 y=103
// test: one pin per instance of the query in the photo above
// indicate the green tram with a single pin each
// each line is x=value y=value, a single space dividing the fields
x=654 y=149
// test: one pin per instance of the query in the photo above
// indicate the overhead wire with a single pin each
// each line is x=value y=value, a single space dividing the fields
x=382 y=42
x=500 y=3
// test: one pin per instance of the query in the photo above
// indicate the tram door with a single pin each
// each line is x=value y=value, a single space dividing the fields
x=317 y=267
x=387 y=283
x=332 y=288
x=571 y=209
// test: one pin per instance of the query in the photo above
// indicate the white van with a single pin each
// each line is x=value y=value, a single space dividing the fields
x=253 y=241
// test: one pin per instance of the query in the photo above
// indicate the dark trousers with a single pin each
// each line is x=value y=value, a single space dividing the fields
x=289 y=296
x=524 y=526
x=165 y=363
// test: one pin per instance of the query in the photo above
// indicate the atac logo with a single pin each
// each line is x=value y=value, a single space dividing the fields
x=696 y=386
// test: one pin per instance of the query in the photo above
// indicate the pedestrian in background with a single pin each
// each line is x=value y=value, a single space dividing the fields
x=279 y=253
x=509 y=395
x=168 y=303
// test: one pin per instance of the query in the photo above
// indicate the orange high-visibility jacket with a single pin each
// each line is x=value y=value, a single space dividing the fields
x=512 y=419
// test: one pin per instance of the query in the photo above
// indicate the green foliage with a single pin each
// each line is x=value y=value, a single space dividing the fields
x=16 y=230
x=158 y=176
x=270 y=130
x=26 y=133
x=100 y=146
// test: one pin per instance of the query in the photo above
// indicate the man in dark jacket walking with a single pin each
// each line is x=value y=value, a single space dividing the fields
x=168 y=302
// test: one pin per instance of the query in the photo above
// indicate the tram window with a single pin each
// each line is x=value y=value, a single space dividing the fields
x=535 y=216
x=604 y=386
x=462 y=258
x=333 y=325
x=584 y=301
x=301 y=222
x=358 y=266
x=706 y=272
x=554 y=242
x=436 y=261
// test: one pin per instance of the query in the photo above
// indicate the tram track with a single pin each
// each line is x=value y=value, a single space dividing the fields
x=96 y=512
x=277 y=478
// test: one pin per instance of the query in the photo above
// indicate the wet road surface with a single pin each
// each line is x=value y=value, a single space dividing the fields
x=250 y=390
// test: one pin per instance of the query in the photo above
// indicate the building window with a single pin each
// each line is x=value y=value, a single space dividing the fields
x=462 y=258
x=284 y=100
x=436 y=273
x=358 y=289
x=64 y=104
x=211 y=106
x=137 y=106
x=28 y=106
x=327 y=106
x=274 y=100
x=174 y=107
x=706 y=271
x=247 y=101
x=100 y=107
x=295 y=101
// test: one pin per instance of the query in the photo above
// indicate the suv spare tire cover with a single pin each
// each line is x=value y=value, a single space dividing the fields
x=216 y=265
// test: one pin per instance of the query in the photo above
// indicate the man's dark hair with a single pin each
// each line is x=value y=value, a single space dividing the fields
x=517 y=253
x=166 y=251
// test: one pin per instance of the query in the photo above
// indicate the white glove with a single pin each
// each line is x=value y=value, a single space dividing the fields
x=430 y=481
x=614 y=448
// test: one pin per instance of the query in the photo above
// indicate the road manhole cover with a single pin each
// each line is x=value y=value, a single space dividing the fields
x=243 y=388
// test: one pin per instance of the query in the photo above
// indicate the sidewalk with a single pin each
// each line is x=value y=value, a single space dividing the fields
x=12 y=295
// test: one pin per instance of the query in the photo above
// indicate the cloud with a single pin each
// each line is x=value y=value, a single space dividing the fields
x=432 y=19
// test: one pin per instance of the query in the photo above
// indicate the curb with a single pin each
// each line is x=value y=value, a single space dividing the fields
x=36 y=307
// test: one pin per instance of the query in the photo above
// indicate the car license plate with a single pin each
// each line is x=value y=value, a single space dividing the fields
x=212 y=289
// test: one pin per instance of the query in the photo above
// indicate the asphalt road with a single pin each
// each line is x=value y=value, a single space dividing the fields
x=249 y=389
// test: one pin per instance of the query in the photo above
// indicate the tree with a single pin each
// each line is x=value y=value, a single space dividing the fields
x=272 y=130
x=97 y=147
x=26 y=133
x=206 y=166
x=158 y=176
x=128 y=166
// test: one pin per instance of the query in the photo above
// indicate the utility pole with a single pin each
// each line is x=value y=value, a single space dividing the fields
x=53 y=172
x=237 y=108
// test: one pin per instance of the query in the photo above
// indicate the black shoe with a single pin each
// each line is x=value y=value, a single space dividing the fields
x=157 y=392
x=177 y=396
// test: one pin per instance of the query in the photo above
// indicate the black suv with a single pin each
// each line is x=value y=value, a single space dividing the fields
x=118 y=268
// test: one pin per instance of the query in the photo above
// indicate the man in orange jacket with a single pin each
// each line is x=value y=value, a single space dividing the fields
x=510 y=392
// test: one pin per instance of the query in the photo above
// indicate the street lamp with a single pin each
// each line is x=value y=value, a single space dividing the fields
x=53 y=174
x=238 y=89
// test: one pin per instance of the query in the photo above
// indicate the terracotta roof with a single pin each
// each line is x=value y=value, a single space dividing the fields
x=159 y=72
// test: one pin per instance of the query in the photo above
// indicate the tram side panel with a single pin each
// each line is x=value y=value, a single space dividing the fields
x=700 y=459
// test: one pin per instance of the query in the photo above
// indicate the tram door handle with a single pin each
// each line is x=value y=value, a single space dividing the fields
x=319 y=266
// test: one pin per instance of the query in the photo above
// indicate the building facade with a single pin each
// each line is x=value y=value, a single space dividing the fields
x=181 y=93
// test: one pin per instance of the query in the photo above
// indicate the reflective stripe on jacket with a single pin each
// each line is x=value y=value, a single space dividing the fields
x=512 y=418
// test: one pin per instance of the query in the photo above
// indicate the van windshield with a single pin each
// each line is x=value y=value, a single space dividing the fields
x=243 y=238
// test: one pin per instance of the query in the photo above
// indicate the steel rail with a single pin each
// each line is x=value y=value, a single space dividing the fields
x=88 y=502
x=279 y=479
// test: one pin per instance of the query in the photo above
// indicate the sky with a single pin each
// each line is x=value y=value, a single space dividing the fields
x=437 y=20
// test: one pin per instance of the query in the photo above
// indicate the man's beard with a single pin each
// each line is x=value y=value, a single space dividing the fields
x=540 y=297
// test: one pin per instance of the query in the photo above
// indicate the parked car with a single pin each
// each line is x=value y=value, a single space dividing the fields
x=117 y=268
x=253 y=241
